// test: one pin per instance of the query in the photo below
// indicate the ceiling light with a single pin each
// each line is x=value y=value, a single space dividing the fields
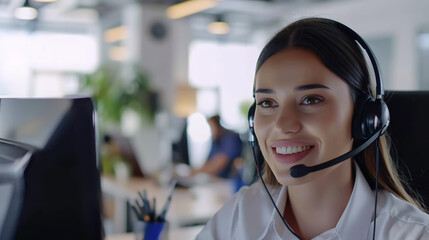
x=26 y=12
x=189 y=7
x=116 y=34
x=219 y=26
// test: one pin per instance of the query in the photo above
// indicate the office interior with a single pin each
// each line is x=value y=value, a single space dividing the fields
x=157 y=73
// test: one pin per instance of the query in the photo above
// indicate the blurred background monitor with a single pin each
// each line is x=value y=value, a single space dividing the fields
x=49 y=176
x=409 y=130
x=180 y=146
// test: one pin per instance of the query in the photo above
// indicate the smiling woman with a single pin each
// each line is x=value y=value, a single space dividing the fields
x=314 y=107
x=304 y=104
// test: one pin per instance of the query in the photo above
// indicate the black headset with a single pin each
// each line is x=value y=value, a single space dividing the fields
x=370 y=120
x=371 y=115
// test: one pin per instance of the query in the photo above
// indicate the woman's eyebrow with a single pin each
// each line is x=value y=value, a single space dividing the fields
x=310 y=86
x=264 y=90
x=299 y=88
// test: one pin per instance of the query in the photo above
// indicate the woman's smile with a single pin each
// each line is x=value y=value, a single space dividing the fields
x=290 y=151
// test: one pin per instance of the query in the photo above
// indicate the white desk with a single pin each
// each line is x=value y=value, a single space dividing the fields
x=188 y=206
x=187 y=233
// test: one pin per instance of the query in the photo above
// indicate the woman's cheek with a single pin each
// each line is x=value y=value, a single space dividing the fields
x=262 y=131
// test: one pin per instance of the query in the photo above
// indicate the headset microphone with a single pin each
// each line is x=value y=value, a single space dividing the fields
x=301 y=170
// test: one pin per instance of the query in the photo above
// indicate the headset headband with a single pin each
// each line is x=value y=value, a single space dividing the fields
x=379 y=83
x=379 y=90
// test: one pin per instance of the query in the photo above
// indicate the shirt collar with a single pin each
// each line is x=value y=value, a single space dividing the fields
x=355 y=220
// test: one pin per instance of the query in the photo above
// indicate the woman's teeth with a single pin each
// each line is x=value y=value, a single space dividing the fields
x=291 y=150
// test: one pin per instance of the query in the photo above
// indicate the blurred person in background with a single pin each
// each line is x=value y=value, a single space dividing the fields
x=226 y=146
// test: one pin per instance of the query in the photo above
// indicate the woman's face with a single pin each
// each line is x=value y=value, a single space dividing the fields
x=303 y=114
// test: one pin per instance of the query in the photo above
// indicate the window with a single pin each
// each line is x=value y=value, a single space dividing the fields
x=226 y=70
x=423 y=60
x=44 y=63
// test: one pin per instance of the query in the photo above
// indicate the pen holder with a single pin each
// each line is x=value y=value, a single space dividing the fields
x=151 y=230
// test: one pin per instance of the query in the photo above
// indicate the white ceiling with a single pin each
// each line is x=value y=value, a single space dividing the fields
x=243 y=16
x=89 y=11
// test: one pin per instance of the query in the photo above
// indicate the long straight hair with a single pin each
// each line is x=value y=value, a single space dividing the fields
x=341 y=54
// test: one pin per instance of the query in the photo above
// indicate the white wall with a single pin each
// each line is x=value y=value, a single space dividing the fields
x=165 y=60
x=166 y=63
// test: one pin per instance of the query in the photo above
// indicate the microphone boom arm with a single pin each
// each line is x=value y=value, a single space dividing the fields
x=301 y=170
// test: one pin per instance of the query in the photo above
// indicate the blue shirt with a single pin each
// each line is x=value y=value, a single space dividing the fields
x=230 y=144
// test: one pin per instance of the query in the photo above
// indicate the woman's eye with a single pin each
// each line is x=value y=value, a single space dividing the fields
x=267 y=104
x=311 y=100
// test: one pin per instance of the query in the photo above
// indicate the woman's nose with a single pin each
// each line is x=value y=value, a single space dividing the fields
x=288 y=120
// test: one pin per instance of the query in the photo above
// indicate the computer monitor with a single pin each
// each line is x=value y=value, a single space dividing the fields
x=409 y=130
x=49 y=171
x=180 y=147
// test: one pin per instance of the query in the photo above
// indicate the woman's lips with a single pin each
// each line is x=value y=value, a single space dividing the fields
x=292 y=155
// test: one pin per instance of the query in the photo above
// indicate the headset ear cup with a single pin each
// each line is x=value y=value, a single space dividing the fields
x=252 y=138
x=370 y=116
x=383 y=116
x=357 y=122
x=251 y=118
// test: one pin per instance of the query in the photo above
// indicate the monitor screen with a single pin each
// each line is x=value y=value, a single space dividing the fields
x=50 y=178
x=409 y=130
x=180 y=147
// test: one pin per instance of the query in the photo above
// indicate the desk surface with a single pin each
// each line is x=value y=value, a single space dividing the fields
x=176 y=234
x=188 y=205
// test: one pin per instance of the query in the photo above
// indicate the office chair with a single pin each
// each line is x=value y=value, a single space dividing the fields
x=409 y=131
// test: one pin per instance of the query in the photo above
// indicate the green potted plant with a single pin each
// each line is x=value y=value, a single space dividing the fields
x=113 y=96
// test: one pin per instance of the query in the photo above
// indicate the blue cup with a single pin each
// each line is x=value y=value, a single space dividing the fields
x=151 y=230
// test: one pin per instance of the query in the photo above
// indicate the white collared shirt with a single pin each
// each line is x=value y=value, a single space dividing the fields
x=250 y=215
